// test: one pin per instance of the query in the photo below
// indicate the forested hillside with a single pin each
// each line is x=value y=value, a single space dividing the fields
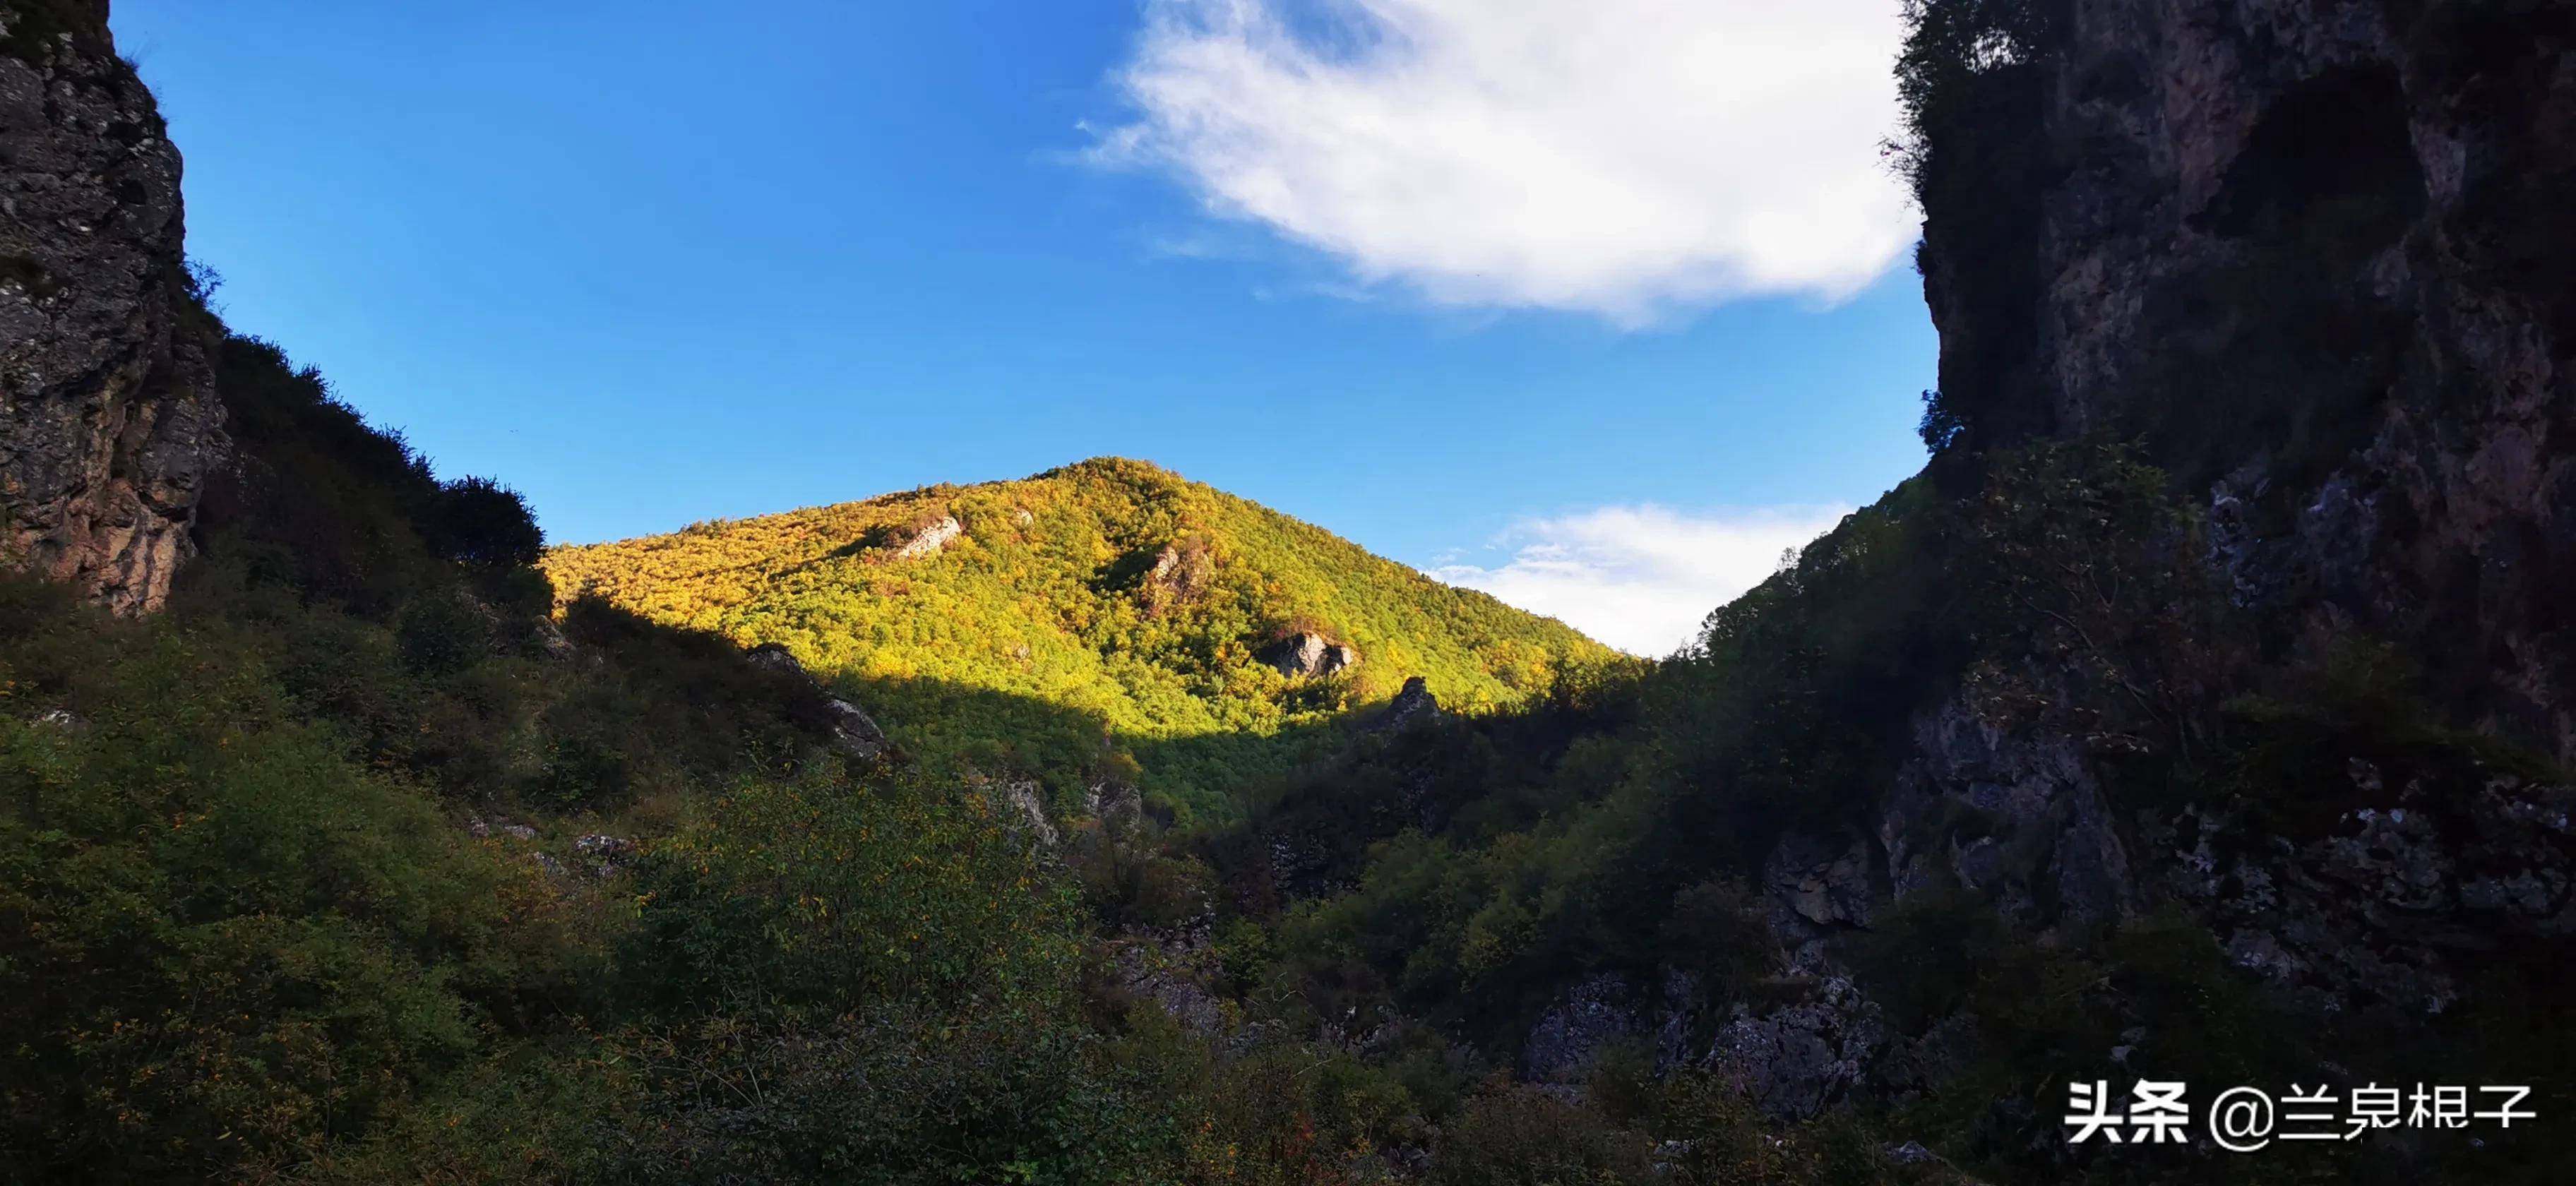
x=1890 y=851
x=1107 y=619
x=356 y=863
x=363 y=862
x=347 y=834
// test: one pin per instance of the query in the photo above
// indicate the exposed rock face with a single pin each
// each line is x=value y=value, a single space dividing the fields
x=1823 y=888
x=551 y=642
x=108 y=417
x=2381 y=912
x=1412 y=706
x=1182 y=571
x=2020 y=815
x=1307 y=654
x=1119 y=808
x=1027 y=802
x=854 y=733
x=931 y=539
x=1796 y=1059
x=607 y=854
x=2317 y=255
x=1594 y=1015
x=2388 y=910
x=1171 y=975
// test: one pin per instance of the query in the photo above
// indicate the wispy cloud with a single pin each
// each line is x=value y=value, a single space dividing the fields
x=1617 y=157
x=1641 y=578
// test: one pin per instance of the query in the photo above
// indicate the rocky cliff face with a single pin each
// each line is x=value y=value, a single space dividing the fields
x=108 y=417
x=2315 y=253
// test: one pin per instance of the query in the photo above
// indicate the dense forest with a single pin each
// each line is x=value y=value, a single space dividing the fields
x=1105 y=620
x=392 y=845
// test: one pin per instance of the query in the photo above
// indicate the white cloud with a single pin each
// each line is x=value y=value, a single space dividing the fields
x=1641 y=578
x=1619 y=157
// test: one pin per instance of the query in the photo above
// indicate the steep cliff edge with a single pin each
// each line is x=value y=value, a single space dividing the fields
x=108 y=418
x=2311 y=257
x=2315 y=255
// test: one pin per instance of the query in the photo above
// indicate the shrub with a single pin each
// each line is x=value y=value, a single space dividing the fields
x=1516 y=1135
x=481 y=522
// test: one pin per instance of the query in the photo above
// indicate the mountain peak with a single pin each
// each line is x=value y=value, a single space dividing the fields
x=1106 y=599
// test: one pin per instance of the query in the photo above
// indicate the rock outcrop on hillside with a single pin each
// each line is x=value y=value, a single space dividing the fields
x=1307 y=654
x=108 y=416
x=932 y=539
x=854 y=734
x=1412 y=706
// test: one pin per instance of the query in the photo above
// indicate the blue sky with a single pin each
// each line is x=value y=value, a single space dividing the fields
x=1594 y=303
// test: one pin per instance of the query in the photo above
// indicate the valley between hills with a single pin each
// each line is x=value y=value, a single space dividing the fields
x=2200 y=713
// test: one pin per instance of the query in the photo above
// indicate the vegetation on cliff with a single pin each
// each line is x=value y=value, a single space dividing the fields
x=1633 y=837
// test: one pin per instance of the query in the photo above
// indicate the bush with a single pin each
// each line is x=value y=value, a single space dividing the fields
x=1716 y=930
x=480 y=522
x=1516 y=1135
x=226 y=946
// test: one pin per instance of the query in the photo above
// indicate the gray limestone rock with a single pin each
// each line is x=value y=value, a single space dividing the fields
x=109 y=423
x=854 y=733
x=1307 y=654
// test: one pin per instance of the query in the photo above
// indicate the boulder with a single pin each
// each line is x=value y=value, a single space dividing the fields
x=482 y=829
x=1027 y=801
x=1411 y=707
x=1598 y=1012
x=1796 y=1059
x=1306 y=655
x=1824 y=887
x=853 y=732
x=931 y=539
x=607 y=854
x=776 y=657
